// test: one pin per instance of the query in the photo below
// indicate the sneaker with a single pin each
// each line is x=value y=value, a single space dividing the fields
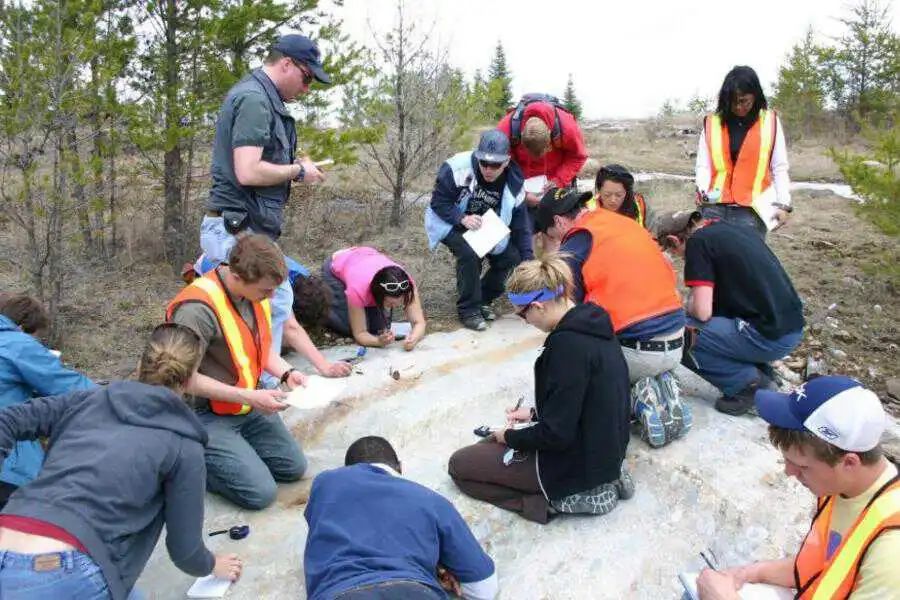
x=474 y=322
x=678 y=408
x=597 y=501
x=739 y=403
x=624 y=484
x=645 y=407
x=488 y=312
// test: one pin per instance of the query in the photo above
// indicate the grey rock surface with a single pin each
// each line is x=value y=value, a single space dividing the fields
x=722 y=486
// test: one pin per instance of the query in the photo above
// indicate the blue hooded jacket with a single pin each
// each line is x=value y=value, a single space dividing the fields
x=29 y=369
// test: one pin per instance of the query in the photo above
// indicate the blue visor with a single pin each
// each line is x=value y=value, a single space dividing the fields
x=526 y=298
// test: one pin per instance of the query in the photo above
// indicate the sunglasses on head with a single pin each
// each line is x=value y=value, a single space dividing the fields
x=392 y=287
x=490 y=165
x=307 y=75
x=523 y=312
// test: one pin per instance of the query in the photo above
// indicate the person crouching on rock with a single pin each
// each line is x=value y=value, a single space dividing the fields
x=366 y=286
x=468 y=186
x=123 y=460
x=571 y=457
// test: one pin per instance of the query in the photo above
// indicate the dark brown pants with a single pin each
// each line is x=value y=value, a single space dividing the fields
x=478 y=471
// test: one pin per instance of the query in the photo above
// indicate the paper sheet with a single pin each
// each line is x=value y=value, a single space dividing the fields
x=491 y=233
x=401 y=328
x=209 y=587
x=750 y=591
x=763 y=205
x=318 y=392
x=536 y=184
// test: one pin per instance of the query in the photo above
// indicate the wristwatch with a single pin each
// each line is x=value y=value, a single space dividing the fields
x=301 y=174
x=785 y=207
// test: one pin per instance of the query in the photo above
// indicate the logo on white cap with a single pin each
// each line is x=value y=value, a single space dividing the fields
x=853 y=420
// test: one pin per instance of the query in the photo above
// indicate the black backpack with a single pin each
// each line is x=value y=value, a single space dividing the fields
x=515 y=123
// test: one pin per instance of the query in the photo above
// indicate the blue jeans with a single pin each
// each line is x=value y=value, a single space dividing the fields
x=247 y=454
x=391 y=590
x=736 y=215
x=216 y=243
x=728 y=351
x=68 y=575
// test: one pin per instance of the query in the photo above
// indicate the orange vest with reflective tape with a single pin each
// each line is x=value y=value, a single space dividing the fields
x=742 y=182
x=817 y=577
x=248 y=351
x=625 y=273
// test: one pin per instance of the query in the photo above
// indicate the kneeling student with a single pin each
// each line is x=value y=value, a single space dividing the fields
x=570 y=459
x=366 y=286
x=829 y=432
x=375 y=535
x=123 y=461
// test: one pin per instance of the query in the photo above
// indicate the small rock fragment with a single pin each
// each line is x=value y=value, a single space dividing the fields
x=837 y=354
x=893 y=387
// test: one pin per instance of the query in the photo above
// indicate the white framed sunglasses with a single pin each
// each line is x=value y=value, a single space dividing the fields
x=392 y=287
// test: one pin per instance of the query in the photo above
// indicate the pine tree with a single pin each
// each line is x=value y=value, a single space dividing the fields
x=570 y=101
x=799 y=93
x=500 y=82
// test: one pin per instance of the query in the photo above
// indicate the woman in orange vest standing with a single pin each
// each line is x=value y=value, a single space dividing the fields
x=742 y=165
x=614 y=190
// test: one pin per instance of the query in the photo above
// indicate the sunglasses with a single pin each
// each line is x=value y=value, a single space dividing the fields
x=307 y=76
x=523 y=313
x=490 y=165
x=392 y=287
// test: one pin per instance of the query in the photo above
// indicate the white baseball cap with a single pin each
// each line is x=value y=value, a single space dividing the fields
x=834 y=408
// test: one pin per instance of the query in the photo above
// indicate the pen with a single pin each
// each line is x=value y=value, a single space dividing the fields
x=706 y=560
x=519 y=402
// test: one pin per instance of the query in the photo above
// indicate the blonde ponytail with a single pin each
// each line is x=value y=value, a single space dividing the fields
x=550 y=271
x=171 y=356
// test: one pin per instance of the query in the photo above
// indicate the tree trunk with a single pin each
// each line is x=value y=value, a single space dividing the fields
x=79 y=195
x=173 y=214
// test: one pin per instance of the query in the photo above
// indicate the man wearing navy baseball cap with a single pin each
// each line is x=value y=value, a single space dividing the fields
x=468 y=185
x=829 y=431
x=254 y=157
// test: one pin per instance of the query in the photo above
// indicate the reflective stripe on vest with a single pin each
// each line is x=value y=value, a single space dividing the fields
x=641 y=209
x=820 y=578
x=248 y=357
x=740 y=182
x=625 y=273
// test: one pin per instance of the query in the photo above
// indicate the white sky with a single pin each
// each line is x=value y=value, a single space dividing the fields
x=626 y=57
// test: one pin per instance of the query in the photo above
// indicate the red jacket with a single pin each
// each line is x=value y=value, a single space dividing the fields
x=564 y=159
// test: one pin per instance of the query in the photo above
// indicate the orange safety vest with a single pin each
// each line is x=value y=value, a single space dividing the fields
x=625 y=273
x=741 y=183
x=819 y=578
x=639 y=203
x=248 y=351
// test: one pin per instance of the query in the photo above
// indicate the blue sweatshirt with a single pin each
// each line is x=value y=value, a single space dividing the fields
x=29 y=369
x=368 y=526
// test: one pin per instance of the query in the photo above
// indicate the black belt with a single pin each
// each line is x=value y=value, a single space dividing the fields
x=653 y=345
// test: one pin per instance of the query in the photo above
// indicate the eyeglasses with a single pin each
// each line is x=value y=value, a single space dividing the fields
x=490 y=165
x=307 y=76
x=392 y=287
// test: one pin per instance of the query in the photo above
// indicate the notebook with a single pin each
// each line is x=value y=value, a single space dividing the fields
x=750 y=591
x=318 y=392
x=209 y=587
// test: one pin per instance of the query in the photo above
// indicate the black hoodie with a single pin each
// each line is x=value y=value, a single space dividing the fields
x=581 y=395
x=122 y=461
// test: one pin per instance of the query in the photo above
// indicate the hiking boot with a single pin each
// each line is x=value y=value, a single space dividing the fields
x=645 y=407
x=624 y=484
x=739 y=403
x=676 y=406
x=488 y=312
x=474 y=322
